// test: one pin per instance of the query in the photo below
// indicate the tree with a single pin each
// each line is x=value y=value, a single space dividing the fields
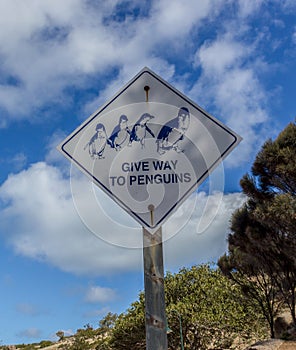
x=60 y=335
x=210 y=309
x=272 y=192
x=129 y=329
x=104 y=332
x=247 y=265
x=213 y=311
x=263 y=239
x=83 y=339
x=107 y=323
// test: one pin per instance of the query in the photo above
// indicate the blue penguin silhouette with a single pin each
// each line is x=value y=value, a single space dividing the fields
x=120 y=133
x=97 y=144
x=172 y=133
x=140 y=129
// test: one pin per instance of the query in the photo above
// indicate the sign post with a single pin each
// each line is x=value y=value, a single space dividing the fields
x=149 y=148
x=155 y=316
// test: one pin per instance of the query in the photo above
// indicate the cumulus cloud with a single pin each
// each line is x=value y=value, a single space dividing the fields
x=247 y=8
x=34 y=333
x=50 y=46
x=52 y=156
x=50 y=35
x=28 y=309
x=294 y=36
x=97 y=294
x=173 y=20
x=233 y=87
x=199 y=242
x=220 y=55
x=19 y=161
x=47 y=227
x=289 y=5
x=44 y=45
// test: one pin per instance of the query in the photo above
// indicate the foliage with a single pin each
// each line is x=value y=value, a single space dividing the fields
x=262 y=245
x=129 y=328
x=90 y=338
x=82 y=338
x=243 y=266
x=212 y=311
x=60 y=335
x=80 y=343
x=106 y=325
x=45 y=343
x=104 y=331
x=86 y=332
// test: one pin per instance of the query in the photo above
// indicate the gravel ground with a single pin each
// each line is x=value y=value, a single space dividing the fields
x=288 y=345
x=274 y=344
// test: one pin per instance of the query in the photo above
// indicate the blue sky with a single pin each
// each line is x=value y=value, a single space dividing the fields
x=61 y=60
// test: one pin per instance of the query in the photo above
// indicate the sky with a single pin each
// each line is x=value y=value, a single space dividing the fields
x=62 y=60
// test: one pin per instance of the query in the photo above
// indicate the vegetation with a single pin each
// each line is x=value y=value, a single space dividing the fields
x=262 y=245
x=60 y=335
x=212 y=312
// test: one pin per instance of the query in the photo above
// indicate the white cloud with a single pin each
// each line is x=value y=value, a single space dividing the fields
x=172 y=19
x=38 y=220
x=289 y=4
x=247 y=8
x=30 y=333
x=97 y=294
x=216 y=57
x=49 y=45
x=46 y=226
x=232 y=85
x=204 y=238
x=28 y=309
x=18 y=161
x=294 y=36
x=44 y=45
x=52 y=156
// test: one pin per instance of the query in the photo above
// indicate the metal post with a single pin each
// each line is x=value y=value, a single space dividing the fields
x=156 y=330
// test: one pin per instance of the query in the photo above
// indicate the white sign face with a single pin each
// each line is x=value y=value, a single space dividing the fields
x=149 y=148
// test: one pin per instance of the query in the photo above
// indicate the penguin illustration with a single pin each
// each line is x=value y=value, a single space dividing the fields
x=140 y=129
x=172 y=133
x=120 y=133
x=97 y=144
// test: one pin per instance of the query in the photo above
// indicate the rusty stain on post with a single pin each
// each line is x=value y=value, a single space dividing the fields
x=147 y=88
x=151 y=209
x=152 y=321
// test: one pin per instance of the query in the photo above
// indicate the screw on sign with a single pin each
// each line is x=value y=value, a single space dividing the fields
x=148 y=148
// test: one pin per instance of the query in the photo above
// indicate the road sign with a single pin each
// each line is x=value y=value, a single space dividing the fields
x=149 y=147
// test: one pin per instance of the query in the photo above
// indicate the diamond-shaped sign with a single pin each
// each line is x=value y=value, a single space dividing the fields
x=149 y=147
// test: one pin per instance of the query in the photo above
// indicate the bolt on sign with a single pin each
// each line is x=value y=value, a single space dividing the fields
x=149 y=147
